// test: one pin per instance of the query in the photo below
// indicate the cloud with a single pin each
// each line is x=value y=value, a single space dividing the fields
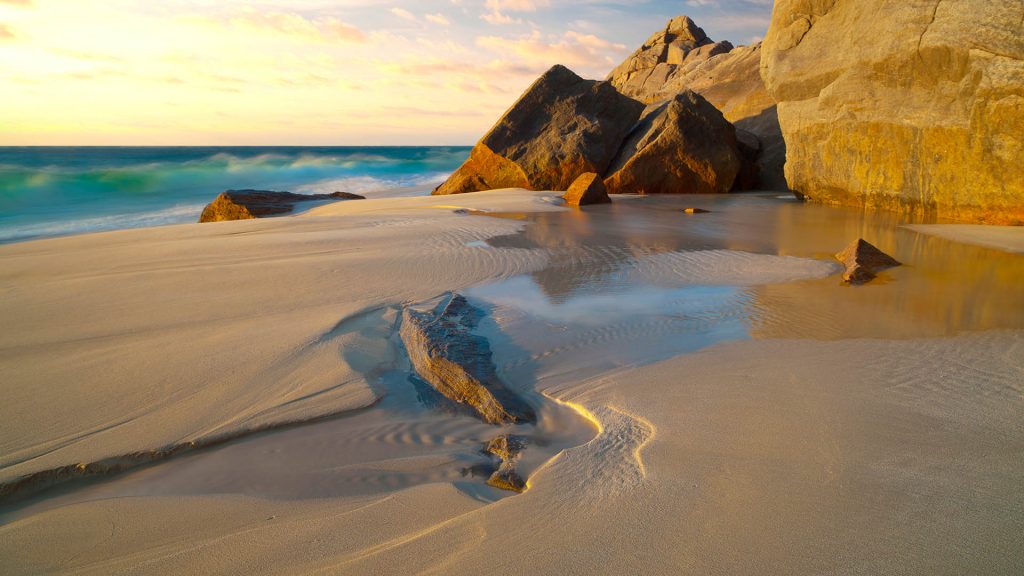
x=288 y=24
x=403 y=14
x=17 y=2
x=437 y=19
x=586 y=53
x=5 y=33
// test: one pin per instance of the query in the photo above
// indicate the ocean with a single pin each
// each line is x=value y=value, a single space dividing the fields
x=55 y=191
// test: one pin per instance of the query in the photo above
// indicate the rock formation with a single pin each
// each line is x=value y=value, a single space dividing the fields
x=863 y=262
x=249 y=204
x=506 y=449
x=683 y=146
x=562 y=127
x=587 y=189
x=909 y=106
x=457 y=363
x=682 y=57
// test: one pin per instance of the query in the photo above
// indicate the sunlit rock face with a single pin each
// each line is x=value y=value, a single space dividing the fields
x=913 y=106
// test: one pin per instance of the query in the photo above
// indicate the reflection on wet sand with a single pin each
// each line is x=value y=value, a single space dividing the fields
x=945 y=287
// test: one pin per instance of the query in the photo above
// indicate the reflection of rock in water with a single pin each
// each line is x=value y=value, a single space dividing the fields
x=457 y=363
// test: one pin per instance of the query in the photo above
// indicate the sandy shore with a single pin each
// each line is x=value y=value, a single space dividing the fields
x=1006 y=238
x=720 y=403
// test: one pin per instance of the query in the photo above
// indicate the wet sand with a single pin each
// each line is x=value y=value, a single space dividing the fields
x=713 y=399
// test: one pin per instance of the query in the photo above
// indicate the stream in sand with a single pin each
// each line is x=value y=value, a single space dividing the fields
x=625 y=285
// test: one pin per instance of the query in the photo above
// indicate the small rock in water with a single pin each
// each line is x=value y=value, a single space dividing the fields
x=863 y=262
x=696 y=211
x=587 y=189
x=507 y=449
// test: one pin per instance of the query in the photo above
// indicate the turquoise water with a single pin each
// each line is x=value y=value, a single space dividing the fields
x=53 y=191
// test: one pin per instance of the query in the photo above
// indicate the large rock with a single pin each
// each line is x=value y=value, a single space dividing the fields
x=457 y=363
x=249 y=204
x=727 y=77
x=562 y=127
x=684 y=146
x=587 y=189
x=910 y=106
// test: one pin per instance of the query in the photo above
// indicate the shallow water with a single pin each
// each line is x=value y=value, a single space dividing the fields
x=626 y=284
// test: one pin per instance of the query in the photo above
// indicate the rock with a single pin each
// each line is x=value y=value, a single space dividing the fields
x=907 y=106
x=696 y=211
x=684 y=146
x=249 y=204
x=587 y=189
x=457 y=363
x=562 y=127
x=507 y=450
x=863 y=262
x=727 y=77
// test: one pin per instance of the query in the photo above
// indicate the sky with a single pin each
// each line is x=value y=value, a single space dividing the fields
x=309 y=72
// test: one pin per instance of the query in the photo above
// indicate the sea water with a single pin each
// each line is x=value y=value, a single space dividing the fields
x=54 y=191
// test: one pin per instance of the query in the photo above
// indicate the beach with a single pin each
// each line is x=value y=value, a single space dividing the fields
x=710 y=397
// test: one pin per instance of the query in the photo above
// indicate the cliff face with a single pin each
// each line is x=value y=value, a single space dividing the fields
x=909 y=106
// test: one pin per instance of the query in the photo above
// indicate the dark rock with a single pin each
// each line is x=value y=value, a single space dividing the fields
x=587 y=189
x=685 y=146
x=863 y=262
x=562 y=127
x=457 y=363
x=696 y=211
x=250 y=204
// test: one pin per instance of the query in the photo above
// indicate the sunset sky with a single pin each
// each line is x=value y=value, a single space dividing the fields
x=308 y=72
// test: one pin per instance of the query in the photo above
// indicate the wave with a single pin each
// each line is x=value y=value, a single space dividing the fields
x=54 y=191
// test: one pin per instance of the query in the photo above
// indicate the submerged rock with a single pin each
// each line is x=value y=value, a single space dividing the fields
x=457 y=363
x=562 y=126
x=587 y=189
x=926 y=116
x=863 y=261
x=683 y=147
x=250 y=204
x=506 y=449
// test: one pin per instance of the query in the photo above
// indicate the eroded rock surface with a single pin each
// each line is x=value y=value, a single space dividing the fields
x=562 y=127
x=587 y=189
x=909 y=106
x=864 y=261
x=250 y=204
x=446 y=353
x=684 y=146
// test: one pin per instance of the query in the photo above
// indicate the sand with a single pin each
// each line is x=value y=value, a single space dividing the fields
x=1007 y=238
x=715 y=408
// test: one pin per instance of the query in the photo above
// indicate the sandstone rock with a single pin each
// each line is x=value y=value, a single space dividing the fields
x=249 y=204
x=506 y=449
x=684 y=146
x=587 y=189
x=457 y=363
x=909 y=106
x=863 y=262
x=562 y=127
x=727 y=77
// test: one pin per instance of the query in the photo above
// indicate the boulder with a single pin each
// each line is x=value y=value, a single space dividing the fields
x=249 y=204
x=727 y=77
x=863 y=262
x=683 y=146
x=446 y=354
x=908 y=106
x=587 y=189
x=562 y=127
